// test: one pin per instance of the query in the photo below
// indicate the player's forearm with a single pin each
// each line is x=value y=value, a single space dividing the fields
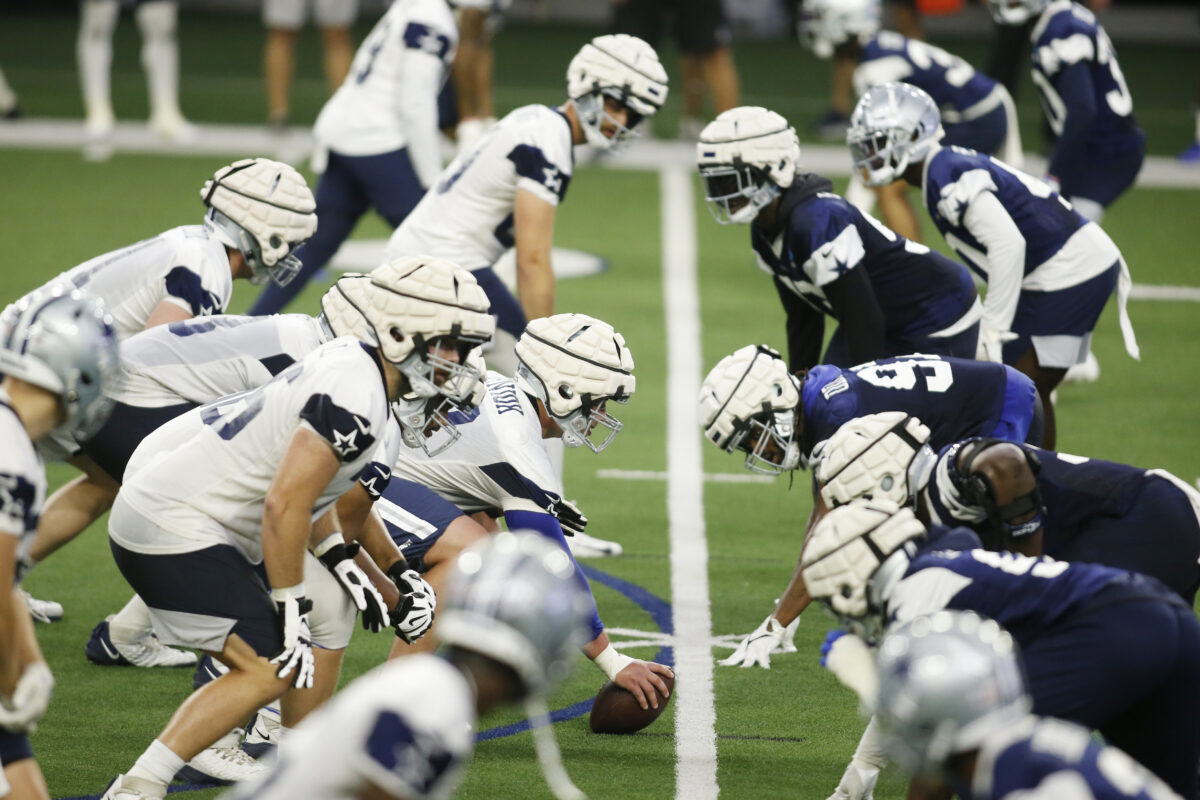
x=989 y=222
x=286 y=529
x=535 y=284
x=422 y=77
x=378 y=545
x=11 y=605
x=794 y=600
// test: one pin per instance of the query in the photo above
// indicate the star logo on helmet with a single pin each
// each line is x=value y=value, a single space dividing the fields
x=345 y=443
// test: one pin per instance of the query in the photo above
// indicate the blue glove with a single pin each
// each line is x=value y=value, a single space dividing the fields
x=827 y=645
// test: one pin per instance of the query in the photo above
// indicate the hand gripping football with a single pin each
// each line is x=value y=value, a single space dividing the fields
x=617 y=711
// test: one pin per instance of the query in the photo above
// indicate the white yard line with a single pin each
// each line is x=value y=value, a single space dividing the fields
x=708 y=477
x=695 y=712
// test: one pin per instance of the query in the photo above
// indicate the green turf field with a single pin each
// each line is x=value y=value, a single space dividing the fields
x=786 y=733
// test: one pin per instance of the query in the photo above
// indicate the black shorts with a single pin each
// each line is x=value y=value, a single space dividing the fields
x=113 y=445
x=699 y=26
x=14 y=747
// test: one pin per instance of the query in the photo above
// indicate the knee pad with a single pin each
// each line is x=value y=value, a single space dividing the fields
x=331 y=620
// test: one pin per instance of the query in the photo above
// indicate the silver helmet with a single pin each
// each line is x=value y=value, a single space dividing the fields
x=947 y=682
x=62 y=340
x=1016 y=12
x=893 y=125
x=825 y=24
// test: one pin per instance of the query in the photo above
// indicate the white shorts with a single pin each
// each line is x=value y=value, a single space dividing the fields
x=292 y=14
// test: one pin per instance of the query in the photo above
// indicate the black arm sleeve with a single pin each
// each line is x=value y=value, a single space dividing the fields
x=805 y=329
x=860 y=319
x=1074 y=85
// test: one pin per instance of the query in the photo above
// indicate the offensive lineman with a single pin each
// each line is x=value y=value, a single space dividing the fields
x=58 y=355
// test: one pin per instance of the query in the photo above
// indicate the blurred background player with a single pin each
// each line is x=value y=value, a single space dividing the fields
x=889 y=296
x=377 y=137
x=283 y=20
x=58 y=357
x=10 y=104
x=1049 y=270
x=977 y=112
x=510 y=619
x=478 y=23
x=156 y=20
x=258 y=212
x=706 y=64
x=503 y=193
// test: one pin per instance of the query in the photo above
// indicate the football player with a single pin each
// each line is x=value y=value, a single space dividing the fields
x=1023 y=499
x=259 y=211
x=888 y=295
x=283 y=20
x=953 y=705
x=160 y=58
x=571 y=369
x=1108 y=649
x=225 y=487
x=58 y=355
x=377 y=137
x=977 y=111
x=1048 y=269
x=510 y=618
x=478 y=23
x=503 y=192
x=1099 y=147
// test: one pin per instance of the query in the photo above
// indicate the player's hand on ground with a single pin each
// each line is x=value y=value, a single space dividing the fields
x=413 y=614
x=858 y=783
x=643 y=680
x=756 y=648
x=338 y=558
x=295 y=658
x=29 y=701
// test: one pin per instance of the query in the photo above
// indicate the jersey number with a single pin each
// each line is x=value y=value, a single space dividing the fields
x=232 y=414
x=372 y=46
x=938 y=375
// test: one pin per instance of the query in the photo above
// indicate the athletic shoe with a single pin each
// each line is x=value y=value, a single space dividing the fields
x=222 y=764
x=1087 y=372
x=149 y=652
x=127 y=788
x=1191 y=155
x=262 y=737
x=584 y=546
x=42 y=610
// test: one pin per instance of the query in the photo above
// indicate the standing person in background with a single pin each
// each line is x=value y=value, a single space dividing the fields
x=283 y=20
x=478 y=23
x=10 y=104
x=377 y=137
x=704 y=37
x=160 y=58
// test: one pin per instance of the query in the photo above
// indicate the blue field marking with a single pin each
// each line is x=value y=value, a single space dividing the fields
x=658 y=609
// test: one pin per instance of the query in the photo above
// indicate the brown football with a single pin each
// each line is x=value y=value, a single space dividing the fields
x=617 y=711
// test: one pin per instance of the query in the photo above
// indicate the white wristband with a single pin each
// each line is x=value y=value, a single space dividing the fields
x=288 y=593
x=611 y=662
x=328 y=543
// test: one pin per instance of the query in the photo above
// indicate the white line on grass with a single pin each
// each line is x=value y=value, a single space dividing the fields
x=651 y=475
x=695 y=713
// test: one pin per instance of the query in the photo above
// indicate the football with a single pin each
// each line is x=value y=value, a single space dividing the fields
x=617 y=711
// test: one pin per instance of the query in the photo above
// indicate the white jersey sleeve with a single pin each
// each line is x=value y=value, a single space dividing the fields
x=467 y=216
x=407 y=727
x=499 y=463
x=203 y=477
x=22 y=479
x=186 y=266
x=202 y=360
x=389 y=99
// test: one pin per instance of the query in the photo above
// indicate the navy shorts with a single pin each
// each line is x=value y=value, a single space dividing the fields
x=1126 y=664
x=14 y=747
x=415 y=518
x=510 y=317
x=1022 y=418
x=1073 y=311
x=216 y=582
x=985 y=134
x=699 y=25
x=113 y=445
x=1104 y=180
x=960 y=345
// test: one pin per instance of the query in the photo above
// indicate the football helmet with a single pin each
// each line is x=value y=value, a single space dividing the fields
x=264 y=209
x=62 y=340
x=575 y=365
x=414 y=309
x=430 y=425
x=514 y=598
x=749 y=402
x=825 y=24
x=947 y=682
x=877 y=456
x=893 y=125
x=625 y=69
x=854 y=555
x=746 y=156
x=1016 y=12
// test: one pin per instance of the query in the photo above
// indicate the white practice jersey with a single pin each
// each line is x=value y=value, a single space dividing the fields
x=203 y=477
x=389 y=99
x=201 y=360
x=499 y=463
x=22 y=479
x=187 y=266
x=406 y=727
x=467 y=216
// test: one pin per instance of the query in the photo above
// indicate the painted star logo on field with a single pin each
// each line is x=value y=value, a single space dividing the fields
x=345 y=443
x=553 y=179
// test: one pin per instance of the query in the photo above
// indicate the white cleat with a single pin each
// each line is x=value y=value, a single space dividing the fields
x=584 y=546
x=127 y=788
x=222 y=764
x=1087 y=372
x=172 y=127
x=42 y=610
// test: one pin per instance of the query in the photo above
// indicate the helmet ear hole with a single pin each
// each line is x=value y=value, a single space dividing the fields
x=565 y=392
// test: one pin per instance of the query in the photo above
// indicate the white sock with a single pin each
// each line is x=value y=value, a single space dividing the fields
x=158 y=764
x=132 y=623
x=97 y=21
x=160 y=56
x=8 y=98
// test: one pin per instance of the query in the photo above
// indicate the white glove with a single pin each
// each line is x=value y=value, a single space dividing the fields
x=339 y=559
x=756 y=648
x=29 y=701
x=296 y=654
x=857 y=783
x=852 y=662
x=991 y=344
x=413 y=615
